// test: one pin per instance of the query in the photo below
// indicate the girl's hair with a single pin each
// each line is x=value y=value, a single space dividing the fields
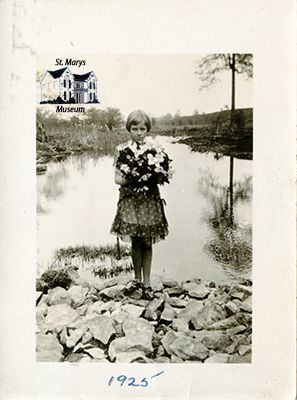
x=136 y=117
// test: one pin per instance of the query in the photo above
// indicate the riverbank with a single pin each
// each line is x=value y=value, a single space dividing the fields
x=191 y=321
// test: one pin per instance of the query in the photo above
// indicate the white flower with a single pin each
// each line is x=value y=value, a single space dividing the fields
x=125 y=168
x=145 y=177
x=135 y=173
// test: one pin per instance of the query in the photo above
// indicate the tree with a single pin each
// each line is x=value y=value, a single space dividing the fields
x=113 y=118
x=213 y=64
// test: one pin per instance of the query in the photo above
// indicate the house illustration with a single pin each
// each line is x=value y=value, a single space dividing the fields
x=62 y=86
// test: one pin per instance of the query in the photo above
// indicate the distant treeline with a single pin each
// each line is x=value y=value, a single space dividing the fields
x=112 y=119
x=243 y=119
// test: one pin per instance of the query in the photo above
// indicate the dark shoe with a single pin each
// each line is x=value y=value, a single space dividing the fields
x=147 y=293
x=133 y=289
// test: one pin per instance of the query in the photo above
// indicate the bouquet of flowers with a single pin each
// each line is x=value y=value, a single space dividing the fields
x=145 y=166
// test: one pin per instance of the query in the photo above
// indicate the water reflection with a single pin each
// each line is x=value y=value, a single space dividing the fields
x=77 y=201
x=51 y=187
x=230 y=243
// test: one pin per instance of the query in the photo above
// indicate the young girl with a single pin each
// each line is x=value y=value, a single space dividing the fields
x=140 y=217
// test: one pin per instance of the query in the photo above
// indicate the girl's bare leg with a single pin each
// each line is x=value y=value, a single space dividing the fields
x=147 y=253
x=137 y=257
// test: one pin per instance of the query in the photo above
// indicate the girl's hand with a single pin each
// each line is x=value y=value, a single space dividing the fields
x=121 y=180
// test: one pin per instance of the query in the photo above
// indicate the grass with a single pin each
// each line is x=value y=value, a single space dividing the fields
x=89 y=253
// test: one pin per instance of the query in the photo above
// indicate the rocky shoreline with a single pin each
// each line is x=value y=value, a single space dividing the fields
x=193 y=321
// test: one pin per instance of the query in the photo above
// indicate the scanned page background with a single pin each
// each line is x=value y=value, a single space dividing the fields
x=264 y=28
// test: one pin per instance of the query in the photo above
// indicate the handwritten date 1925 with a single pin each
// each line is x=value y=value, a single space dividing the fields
x=131 y=381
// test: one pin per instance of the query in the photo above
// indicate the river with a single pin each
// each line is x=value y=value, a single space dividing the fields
x=76 y=203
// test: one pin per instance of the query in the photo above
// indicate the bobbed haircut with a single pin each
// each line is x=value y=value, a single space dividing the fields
x=137 y=117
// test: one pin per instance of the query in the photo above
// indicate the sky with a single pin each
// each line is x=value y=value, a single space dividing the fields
x=157 y=83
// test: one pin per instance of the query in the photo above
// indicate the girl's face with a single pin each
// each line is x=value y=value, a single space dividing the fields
x=138 y=132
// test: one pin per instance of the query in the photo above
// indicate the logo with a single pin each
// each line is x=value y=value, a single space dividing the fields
x=61 y=86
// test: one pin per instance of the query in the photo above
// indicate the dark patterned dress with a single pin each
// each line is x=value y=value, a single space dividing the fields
x=140 y=214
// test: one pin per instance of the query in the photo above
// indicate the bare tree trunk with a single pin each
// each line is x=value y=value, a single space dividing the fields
x=233 y=90
x=231 y=172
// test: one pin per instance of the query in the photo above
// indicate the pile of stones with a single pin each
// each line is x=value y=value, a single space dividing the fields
x=192 y=321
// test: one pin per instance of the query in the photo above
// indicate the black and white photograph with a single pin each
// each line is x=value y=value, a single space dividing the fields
x=144 y=209
x=148 y=199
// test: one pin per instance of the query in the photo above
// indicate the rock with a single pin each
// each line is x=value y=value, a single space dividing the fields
x=168 y=282
x=168 y=339
x=131 y=356
x=77 y=295
x=125 y=344
x=247 y=304
x=74 y=337
x=95 y=308
x=138 y=336
x=174 y=291
x=197 y=322
x=216 y=340
x=113 y=291
x=232 y=348
x=224 y=323
x=44 y=300
x=58 y=295
x=231 y=308
x=140 y=303
x=151 y=315
x=87 y=358
x=177 y=302
x=213 y=340
x=95 y=352
x=134 y=327
x=198 y=291
x=151 y=310
x=244 y=318
x=181 y=325
x=244 y=349
x=242 y=340
x=87 y=336
x=63 y=336
x=60 y=315
x=188 y=348
x=119 y=329
x=162 y=360
x=116 y=306
x=156 y=283
x=168 y=314
x=73 y=357
x=122 y=279
x=42 y=309
x=101 y=328
x=175 y=359
x=235 y=330
x=218 y=358
x=160 y=352
x=82 y=310
x=119 y=316
x=238 y=295
x=237 y=359
x=240 y=288
x=192 y=309
x=132 y=310
x=79 y=322
x=48 y=348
